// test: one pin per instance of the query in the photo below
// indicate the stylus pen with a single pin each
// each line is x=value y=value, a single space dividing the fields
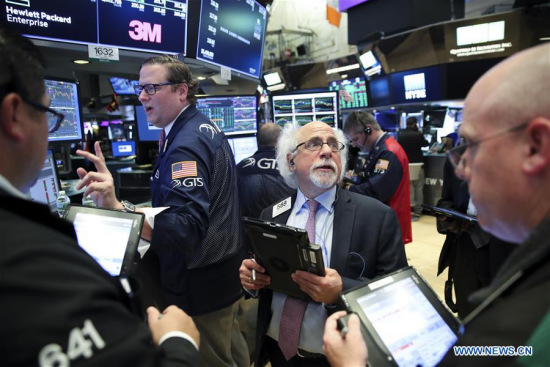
x=254 y=272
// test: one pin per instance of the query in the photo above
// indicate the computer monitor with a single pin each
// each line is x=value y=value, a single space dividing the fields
x=123 y=148
x=233 y=114
x=47 y=186
x=64 y=96
x=379 y=91
x=301 y=108
x=388 y=121
x=146 y=131
x=352 y=92
x=231 y=34
x=435 y=118
x=123 y=86
x=243 y=146
x=116 y=130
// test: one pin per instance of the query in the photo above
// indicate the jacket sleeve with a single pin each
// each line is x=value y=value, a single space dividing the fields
x=383 y=179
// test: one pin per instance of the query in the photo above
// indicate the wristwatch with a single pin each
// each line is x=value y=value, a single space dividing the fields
x=128 y=206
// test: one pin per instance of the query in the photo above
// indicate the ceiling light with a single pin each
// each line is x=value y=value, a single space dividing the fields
x=201 y=77
x=343 y=68
x=81 y=61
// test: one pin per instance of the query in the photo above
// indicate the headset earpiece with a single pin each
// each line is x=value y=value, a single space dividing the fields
x=292 y=163
x=368 y=130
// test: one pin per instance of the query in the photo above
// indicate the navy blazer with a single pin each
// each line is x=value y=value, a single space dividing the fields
x=366 y=243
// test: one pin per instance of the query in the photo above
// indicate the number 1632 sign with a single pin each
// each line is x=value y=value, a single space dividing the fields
x=103 y=53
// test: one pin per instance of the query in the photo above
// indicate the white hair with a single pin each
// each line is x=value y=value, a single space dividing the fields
x=288 y=140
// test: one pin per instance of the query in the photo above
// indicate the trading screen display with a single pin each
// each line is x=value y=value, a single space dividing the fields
x=352 y=93
x=64 y=99
x=243 y=147
x=149 y=25
x=46 y=187
x=123 y=86
x=146 y=131
x=232 y=114
x=231 y=34
x=306 y=107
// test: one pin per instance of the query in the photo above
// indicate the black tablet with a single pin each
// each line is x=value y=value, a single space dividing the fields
x=282 y=250
x=111 y=237
x=404 y=323
x=449 y=213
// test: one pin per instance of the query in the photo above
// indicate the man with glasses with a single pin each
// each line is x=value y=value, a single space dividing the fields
x=194 y=225
x=505 y=159
x=359 y=237
x=59 y=307
x=384 y=173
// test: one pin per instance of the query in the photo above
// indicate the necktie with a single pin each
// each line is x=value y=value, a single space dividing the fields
x=294 y=309
x=161 y=141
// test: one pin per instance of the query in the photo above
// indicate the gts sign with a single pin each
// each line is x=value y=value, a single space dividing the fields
x=145 y=31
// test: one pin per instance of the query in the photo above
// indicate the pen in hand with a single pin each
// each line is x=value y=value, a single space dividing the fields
x=254 y=272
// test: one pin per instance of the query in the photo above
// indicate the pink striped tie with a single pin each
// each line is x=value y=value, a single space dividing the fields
x=294 y=309
x=161 y=141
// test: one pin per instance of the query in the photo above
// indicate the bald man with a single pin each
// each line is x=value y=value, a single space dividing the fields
x=505 y=158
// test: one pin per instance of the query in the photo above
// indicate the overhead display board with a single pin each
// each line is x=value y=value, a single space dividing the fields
x=143 y=25
x=231 y=34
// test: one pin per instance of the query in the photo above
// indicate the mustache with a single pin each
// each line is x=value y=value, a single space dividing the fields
x=325 y=162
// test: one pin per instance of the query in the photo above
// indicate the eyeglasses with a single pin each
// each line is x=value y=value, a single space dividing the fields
x=54 y=118
x=316 y=144
x=455 y=154
x=150 y=89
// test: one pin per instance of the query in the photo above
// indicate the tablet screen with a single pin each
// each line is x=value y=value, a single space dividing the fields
x=408 y=324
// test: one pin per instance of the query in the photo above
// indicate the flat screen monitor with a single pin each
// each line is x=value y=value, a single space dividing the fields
x=64 y=98
x=301 y=108
x=435 y=118
x=380 y=94
x=370 y=64
x=419 y=85
x=273 y=78
x=144 y=25
x=232 y=114
x=231 y=34
x=146 y=131
x=243 y=147
x=123 y=86
x=388 y=121
x=123 y=148
x=352 y=93
x=46 y=187
x=116 y=130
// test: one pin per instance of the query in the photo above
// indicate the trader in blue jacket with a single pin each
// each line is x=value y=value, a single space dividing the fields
x=195 y=223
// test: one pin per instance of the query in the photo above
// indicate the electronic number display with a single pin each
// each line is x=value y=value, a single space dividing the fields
x=231 y=34
x=144 y=25
x=302 y=108
x=232 y=114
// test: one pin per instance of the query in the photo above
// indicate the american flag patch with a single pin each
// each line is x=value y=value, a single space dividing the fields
x=184 y=169
x=382 y=164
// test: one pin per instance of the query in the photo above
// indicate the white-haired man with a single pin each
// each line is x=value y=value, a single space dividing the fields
x=360 y=238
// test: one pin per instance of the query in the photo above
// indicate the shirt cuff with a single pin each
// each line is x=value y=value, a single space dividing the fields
x=150 y=214
x=178 y=334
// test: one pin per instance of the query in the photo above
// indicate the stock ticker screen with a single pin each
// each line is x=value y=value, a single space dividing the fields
x=145 y=25
x=302 y=108
x=233 y=114
x=64 y=99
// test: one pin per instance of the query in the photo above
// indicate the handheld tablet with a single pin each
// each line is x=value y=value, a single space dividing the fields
x=111 y=237
x=282 y=250
x=404 y=323
x=449 y=213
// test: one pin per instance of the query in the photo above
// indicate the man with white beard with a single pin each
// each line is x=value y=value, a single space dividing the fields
x=360 y=239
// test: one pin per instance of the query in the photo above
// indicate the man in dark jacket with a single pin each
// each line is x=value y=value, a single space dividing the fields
x=412 y=141
x=196 y=213
x=59 y=307
x=260 y=183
